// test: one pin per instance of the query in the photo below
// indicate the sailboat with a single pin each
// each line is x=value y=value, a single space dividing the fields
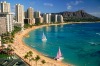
x=59 y=55
x=44 y=37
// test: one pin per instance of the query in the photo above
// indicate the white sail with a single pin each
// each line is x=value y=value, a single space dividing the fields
x=59 y=55
x=44 y=37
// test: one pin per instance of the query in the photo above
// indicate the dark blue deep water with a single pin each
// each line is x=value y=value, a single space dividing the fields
x=79 y=43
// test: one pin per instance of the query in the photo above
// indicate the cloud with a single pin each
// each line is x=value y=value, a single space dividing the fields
x=73 y=3
x=69 y=7
x=48 y=4
x=78 y=2
x=97 y=14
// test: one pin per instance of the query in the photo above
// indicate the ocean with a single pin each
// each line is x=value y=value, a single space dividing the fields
x=79 y=43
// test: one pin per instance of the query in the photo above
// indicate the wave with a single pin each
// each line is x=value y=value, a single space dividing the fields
x=98 y=33
x=93 y=43
x=32 y=46
x=45 y=54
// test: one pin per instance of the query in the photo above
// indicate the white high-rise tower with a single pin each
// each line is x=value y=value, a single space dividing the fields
x=30 y=12
x=5 y=7
x=60 y=18
x=45 y=18
x=56 y=18
x=49 y=18
x=20 y=14
x=6 y=18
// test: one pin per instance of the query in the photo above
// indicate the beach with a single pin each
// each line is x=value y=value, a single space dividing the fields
x=20 y=48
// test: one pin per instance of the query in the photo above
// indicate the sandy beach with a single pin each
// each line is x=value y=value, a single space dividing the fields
x=20 y=48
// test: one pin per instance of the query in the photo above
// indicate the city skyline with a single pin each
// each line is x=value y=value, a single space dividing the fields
x=52 y=6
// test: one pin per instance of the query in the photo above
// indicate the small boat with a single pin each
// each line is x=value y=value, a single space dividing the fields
x=44 y=37
x=59 y=56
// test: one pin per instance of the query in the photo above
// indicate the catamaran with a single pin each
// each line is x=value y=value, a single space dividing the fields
x=44 y=37
x=59 y=56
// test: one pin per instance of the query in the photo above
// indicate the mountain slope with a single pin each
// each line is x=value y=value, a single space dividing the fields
x=79 y=15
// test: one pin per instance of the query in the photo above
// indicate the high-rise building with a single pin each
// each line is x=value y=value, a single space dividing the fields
x=30 y=13
x=30 y=17
x=37 y=14
x=38 y=20
x=60 y=18
x=49 y=18
x=45 y=18
x=20 y=14
x=6 y=22
x=41 y=19
x=5 y=7
x=56 y=18
x=29 y=21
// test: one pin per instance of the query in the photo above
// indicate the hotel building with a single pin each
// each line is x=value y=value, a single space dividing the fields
x=6 y=18
x=60 y=18
x=30 y=17
x=45 y=18
x=5 y=7
x=20 y=14
x=49 y=18
x=30 y=13
x=38 y=20
x=37 y=14
x=6 y=22
x=56 y=18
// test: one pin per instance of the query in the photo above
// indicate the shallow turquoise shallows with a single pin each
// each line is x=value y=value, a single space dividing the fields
x=79 y=43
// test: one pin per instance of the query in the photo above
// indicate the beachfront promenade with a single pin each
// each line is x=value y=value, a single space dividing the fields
x=20 y=48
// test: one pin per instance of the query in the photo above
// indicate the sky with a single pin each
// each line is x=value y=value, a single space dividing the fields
x=54 y=6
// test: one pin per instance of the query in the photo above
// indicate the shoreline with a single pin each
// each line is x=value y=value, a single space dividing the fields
x=21 y=48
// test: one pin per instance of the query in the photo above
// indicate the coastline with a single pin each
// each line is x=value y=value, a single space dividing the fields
x=20 y=48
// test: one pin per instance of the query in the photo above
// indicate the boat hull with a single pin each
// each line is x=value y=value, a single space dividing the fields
x=59 y=59
x=44 y=39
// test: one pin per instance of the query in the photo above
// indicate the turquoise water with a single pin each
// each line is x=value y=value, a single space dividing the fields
x=79 y=43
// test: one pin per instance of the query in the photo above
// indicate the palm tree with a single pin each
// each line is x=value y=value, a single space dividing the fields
x=29 y=55
x=26 y=56
x=37 y=58
x=32 y=59
x=43 y=61
x=9 y=49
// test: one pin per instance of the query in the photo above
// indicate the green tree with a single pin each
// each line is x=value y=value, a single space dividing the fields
x=30 y=55
x=43 y=61
x=37 y=58
x=26 y=56
x=32 y=59
x=16 y=30
x=7 y=38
